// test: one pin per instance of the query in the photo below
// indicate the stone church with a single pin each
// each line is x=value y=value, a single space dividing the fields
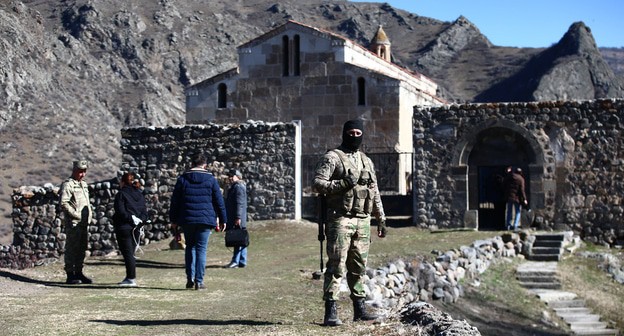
x=318 y=79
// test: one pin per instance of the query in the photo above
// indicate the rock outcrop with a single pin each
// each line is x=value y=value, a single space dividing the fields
x=74 y=73
x=572 y=69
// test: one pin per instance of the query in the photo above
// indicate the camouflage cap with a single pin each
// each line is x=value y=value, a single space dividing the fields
x=81 y=164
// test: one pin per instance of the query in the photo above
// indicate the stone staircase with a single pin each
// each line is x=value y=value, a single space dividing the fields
x=547 y=247
x=540 y=277
x=573 y=311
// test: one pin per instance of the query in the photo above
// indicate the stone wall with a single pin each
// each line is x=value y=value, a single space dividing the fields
x=263 y=152
x=572 y=153
x=443 y=275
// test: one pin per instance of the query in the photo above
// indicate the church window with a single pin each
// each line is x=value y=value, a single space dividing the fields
x=291 y=56
x=285 y=56
x=297 y=56
x=361 y=87
x=222 y=96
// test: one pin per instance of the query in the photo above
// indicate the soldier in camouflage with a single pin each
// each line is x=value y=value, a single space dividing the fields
x=77 y=209
x=346 y=177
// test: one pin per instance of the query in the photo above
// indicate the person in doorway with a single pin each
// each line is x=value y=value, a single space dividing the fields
x=346 y=176
x=197 y=206
x=130 y=214
x=515 y=197
x=236 y=209
x=76 y=207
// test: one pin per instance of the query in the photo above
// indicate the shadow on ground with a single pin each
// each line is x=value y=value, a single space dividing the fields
x=144 y=323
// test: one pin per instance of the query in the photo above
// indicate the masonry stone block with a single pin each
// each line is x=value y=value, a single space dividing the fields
x=170 y=152
x=471 y=219
x=560 y=195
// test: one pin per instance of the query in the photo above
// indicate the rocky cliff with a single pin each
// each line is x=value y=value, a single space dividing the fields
x=75 y=72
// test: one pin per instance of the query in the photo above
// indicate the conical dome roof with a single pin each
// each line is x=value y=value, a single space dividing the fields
x=381 y=37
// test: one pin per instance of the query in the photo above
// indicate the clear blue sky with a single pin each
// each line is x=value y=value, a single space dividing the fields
x=527 y=23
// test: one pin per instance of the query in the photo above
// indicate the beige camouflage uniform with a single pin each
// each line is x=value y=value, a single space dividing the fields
x=349 y=216
x=77 y=208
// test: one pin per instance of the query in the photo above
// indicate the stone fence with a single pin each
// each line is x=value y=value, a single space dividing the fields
x=263 y=152
x=38 y=233
x=572 y=154
x=401 y=282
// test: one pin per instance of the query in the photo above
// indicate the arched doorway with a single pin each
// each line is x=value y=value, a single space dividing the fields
x=494 y=150
x=480 y=160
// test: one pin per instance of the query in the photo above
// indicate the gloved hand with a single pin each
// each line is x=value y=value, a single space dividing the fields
x=136 y=220
x=349 y=180
x=381 y=228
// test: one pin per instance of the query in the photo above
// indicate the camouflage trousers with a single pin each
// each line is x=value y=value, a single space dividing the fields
x=348 y=240
x=75 y=247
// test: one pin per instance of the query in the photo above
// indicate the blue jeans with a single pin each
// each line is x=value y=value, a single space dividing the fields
x=240 y=256
x=512 y=215
x=196 y=237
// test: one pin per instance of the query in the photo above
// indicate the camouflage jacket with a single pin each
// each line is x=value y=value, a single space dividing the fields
x=75 y=202
x=330 y=171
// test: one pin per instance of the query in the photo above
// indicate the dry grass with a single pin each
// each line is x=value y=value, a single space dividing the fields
x=497 y=305
x=603 y=295
x=274 y=295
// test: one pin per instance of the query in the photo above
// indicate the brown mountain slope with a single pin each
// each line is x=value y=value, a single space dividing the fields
x=75 y=72
x=615 y=58
x=571 y=69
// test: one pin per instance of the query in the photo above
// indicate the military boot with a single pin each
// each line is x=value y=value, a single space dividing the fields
x=360 y=313
x=72 y=279
x=81 y=277
x=331 y=314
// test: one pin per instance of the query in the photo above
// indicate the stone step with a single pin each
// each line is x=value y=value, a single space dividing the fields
x=537 y=266
x=572 y=310
x=546 y=236
x=536 y=278
x=537 y=272
x=597 y=332
x=588 y=325
x=541 y=285
x=578 y=318
x=549 y=295
x=545 y=250
x=548 y=243
x=566 y=303
x=545 y=257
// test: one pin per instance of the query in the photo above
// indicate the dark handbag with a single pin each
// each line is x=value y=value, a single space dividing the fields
x=236 y=237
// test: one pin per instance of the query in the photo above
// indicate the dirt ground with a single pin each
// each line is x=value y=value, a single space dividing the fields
x=274 y=295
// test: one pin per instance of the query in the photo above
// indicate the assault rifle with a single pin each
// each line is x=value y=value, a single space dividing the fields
x=322 y=221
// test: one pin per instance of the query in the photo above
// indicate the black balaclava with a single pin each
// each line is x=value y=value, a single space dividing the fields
x=350 y=142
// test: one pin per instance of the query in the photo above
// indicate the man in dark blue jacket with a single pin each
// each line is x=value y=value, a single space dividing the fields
x=196 y=203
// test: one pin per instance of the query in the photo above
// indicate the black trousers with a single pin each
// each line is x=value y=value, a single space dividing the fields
x=126 y=239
